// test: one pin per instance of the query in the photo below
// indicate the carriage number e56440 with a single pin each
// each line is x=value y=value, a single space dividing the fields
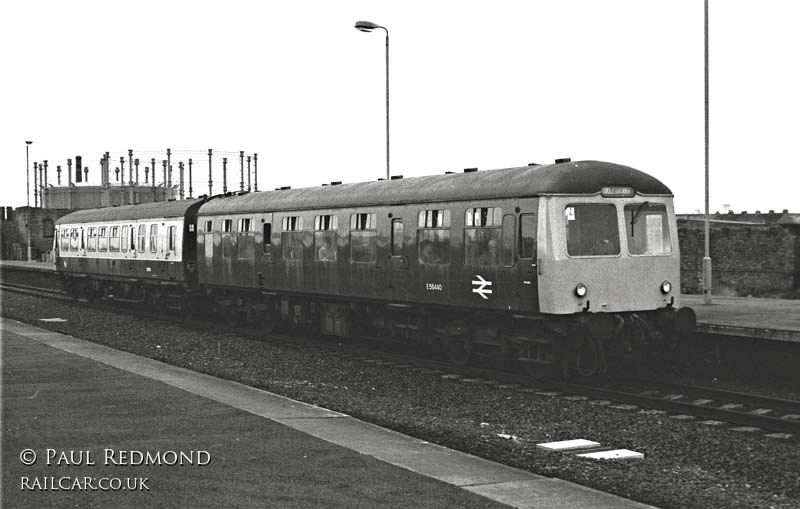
x=434 y=287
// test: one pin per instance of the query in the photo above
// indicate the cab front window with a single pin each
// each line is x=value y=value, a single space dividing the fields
x=592 y=229
x=647 y=229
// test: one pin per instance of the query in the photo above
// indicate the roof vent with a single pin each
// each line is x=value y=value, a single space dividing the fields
x=397 y=177
x=534 y=164
x=563 y=160
x=448 y=173
x=730 y=212
x=744 y=212
x=381 y=179
x=284 y=188
x=470 y=170
x=324 y=185
x=337 y=183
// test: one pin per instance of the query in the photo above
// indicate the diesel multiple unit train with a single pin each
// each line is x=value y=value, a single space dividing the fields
x=572 y=266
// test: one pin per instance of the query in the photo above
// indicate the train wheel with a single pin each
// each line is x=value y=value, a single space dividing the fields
x=588 y=359
x=458 y=351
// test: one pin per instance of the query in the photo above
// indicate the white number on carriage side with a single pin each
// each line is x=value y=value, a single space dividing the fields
x=569 y=212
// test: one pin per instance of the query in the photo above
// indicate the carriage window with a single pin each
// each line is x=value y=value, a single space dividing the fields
x=125 y=239
x=363 y=237
x=244 y=225
x=267 y=235
x=292 y=224
x=113 y=239
x=142 y=240
x=227 y=225
x=433 y=237
x=209 y=225
x=65 y=239
x=434 y=219
x=483 y=216
x=153 y=237
x=325 y=238
x=592 y=229
x=326 y=222
x=91 y=244
x=397 y=238
x=482 y=236
x=244 y=245
x=171 y=238
x=73 y=239
x=527 y=235
x=102 y=239
x=647 y=229
x=292 y=238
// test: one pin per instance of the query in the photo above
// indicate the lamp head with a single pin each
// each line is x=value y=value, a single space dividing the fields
x=28 y=142
x=366 y=26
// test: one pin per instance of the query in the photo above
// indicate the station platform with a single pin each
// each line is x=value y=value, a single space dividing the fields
x=773 y=319
x=35 y=266
x=76 y=413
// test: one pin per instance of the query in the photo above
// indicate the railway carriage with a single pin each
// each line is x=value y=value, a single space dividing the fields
x=133 y=252
x=572 y=266
x=574 y=263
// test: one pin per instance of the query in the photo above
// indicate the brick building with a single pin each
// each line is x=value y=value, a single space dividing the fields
x=754 y=254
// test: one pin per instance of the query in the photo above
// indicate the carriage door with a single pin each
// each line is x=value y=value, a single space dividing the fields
x=398 y=261
x=526 y=272
x=263 y=255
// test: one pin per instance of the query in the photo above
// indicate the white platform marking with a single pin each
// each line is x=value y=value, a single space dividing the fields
x=613 y=455
x=568 y=445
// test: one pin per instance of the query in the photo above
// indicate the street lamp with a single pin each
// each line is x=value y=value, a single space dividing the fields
x=368 y=26
x=28 y=195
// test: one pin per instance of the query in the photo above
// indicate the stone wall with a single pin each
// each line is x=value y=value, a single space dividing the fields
x=15 y=234
x=747 y=259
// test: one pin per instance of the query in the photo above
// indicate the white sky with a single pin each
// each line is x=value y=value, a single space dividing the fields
x=473 y=84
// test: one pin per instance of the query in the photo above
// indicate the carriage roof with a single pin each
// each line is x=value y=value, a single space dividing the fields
x=579 y=177
x=165 y=209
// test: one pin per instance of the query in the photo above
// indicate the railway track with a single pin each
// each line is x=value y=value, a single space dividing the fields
x=747 y=411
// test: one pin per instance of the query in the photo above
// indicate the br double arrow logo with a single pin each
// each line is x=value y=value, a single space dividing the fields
x=480 y=287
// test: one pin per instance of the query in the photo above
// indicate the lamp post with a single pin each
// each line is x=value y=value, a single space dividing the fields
x=707 y=279
x=368 y=26
x=28 y=195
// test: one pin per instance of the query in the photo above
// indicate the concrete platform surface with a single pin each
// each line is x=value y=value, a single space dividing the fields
x=65 y=395
x=777 y=319
x=41 y=266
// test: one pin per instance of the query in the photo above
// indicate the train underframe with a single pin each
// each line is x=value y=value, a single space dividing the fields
x=582 y=345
